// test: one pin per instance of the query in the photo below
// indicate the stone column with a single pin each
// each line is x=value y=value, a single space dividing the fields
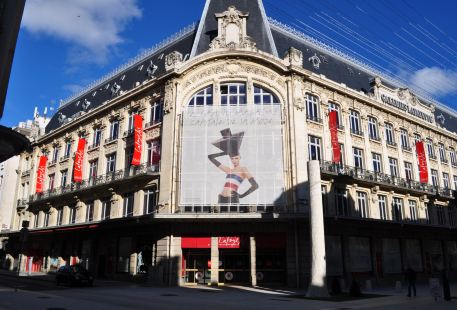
x=133 y=263
x=317 y=286
x=253 y=261
x=214 y=261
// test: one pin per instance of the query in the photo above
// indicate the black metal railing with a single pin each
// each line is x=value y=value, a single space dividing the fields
x=111 y=139
x=375 y=138
x=129 y=132
x=93 y=146
x=22 y=203
x=432 y=156
x=391 y=143
x=52 y=162
x=357 y=132
x=65 y=157
x=99 y=180
x=25 y=173
x=314 y=118
x=152 y=123
x=406 y=148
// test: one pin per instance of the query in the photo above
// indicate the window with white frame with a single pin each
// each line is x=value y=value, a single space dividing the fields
x=127 y=210
x=51 y=181
x=417 y=137
x=382 y=202
x=106 y=208
x=59 y=216
x=413 y=210
x=434 y=173
x=445 y=180
x=442 y=151
x=404 y=139
x=150 y=200
x=393 y=167
x=430 y=148
x=90 y=211
x=128 y=157
x=263 y=96
x=397 y=209
x=153 y=148
x=156 y=115
x=336 y=107
x=312 y=108
x=373 y=128
x=362 y=204
x=314 y=148
x=408 y=171
x=111 y=162
x=114 y=129
x=358 y=157
x=67 y=149
x=55 y=154
x=72 y=215
x=342 y=157
x=427 y=212
x=93 y=169
x=97 y=138
x=354 y=122
x=63 y=178
x=341 y=202
x=452 y=156
x=203 y=97
x=377 y=163
x=390 y=139
x=233 y=94
x=130 y=120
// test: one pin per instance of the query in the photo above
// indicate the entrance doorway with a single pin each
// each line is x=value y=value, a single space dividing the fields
x=197 y=266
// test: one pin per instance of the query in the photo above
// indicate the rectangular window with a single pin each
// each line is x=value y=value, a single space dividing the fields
x=314 y=148
x=51 y=181
x=417 y=137
x=106 y=209
x=114 y=130
x=342 y=157
x=157 y=112
x=128 y=157
x=335 y=107
x=341 y=201
x=442 y=151
x=455 y=181
x=393 y=166
x=97 y=137
x=404 y=139
x=358 y=157
x=397 y=209
x=90 y=211
x=354 y=122
x=59 y=216
x=452 y=156
x=413 y=210
x=408 y=171
x=362 y=204
x=153 y=148
x=434 y=177
x=377 y=164
x=128 y=205
x=93 y=169
x=382 y=202
x=445 y=180
x=72 y=218
x=111 y=162
x=150 y=200
x=55 y=154
x=130 y=121
x=67 y=149
x=312 y=108
x=233 y=94
x=373 y=128
x=63 y=178
x=430 y=149
x=390 y=134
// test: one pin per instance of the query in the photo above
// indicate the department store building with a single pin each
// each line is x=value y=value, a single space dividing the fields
x=189 y=165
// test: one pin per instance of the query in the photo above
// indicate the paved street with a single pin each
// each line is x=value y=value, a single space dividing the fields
x=17 y=293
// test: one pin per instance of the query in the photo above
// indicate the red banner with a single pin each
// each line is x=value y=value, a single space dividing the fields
x=229 y=242
x=138 y=137
x=423 y=171
x=40 y=174
x=78 y=165
x=333 y=124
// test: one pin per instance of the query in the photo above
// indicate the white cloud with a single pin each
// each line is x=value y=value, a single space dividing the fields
x=93 y=27
x=436 y=81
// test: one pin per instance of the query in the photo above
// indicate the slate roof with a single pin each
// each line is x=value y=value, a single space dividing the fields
x=270 y=36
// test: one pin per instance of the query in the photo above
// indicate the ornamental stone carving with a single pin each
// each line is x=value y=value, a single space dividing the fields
x=173 y=61
x=231 y=31
x=168 y=97
x=293 y=57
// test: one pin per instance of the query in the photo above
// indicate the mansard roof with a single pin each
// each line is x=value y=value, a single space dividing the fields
x=269 y=36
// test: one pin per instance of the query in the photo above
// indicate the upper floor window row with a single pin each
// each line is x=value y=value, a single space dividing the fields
x=233 y=94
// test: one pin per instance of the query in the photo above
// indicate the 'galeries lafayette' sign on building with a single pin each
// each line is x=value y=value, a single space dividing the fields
x=406 y=108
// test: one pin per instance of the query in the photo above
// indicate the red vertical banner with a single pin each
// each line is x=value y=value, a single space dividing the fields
x=423 y=170
x=138 y=137
x=333 y=124
x=40 y=174
x=78 y=165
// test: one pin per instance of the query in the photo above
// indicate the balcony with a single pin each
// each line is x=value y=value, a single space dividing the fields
x=93 y=146
x=406 y=148
x=357 y=132
x=63 y=158
x=314 y=118
x=432 y=156
x=106 y=179
x=152 y=123
x=375 y=138
x=444 y=161
x=128 y=133
x=21 y=204
x=382 y=179
x=111 y=139
x=391 y=143
x=52 y=162
x=25 y=173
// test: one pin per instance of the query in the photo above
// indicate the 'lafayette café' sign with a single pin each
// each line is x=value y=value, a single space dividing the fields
x=405 y=107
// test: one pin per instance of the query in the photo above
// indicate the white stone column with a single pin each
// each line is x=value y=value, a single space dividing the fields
x=253 y=261
x=317 y=286
x=214 y=261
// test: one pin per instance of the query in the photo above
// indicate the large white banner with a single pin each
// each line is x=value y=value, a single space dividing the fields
x=232 y=155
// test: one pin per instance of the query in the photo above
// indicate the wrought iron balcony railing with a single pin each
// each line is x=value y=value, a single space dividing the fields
x=314 y=118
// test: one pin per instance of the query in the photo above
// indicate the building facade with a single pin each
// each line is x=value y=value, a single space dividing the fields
x=210 y=184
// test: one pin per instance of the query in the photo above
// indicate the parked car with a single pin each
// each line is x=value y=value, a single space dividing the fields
x=74 y=275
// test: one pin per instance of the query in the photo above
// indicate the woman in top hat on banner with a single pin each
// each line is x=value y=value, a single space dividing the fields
x=230 y=145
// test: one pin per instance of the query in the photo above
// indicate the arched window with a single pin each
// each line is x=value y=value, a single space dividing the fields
x=233 y=94
x=263 y=96
x=203 y=97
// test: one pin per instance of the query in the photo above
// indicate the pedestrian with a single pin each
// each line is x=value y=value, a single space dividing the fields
x=410 y=276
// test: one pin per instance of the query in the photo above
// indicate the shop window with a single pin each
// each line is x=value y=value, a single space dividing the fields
x=123 y=256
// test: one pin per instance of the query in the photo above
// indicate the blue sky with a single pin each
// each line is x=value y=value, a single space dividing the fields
x=65 y=45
